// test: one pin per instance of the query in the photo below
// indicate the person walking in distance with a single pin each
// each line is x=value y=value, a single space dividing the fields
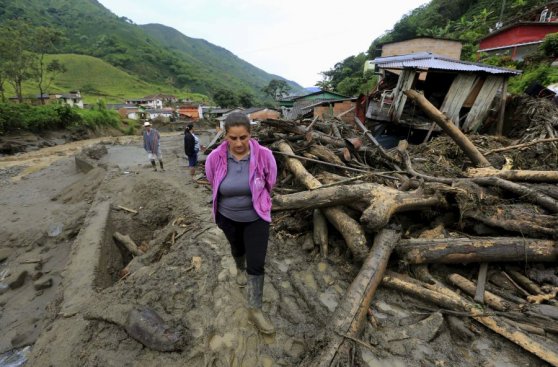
x=242 y=174
x=191 y=149
x=151 y=139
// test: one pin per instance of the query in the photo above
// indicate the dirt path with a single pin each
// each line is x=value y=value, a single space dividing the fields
x=174 y=223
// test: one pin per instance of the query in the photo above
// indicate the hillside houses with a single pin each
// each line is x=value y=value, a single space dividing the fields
x=522 y=35
x=72 y=99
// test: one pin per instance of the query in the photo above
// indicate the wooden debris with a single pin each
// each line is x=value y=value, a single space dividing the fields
x=351 y=313
x=128 y=243
x=127 y=209
x=449 y=128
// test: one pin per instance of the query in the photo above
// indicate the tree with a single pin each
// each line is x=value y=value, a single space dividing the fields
x=225 y=98
x=45 y=40
x=277 y=89
x=246 y=99
x=15 y=55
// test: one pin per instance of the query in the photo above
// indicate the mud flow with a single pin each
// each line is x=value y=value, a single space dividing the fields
x=109 y=263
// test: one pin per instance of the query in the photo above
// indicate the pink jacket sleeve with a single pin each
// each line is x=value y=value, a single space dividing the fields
x=209 y=169
x=271 y=176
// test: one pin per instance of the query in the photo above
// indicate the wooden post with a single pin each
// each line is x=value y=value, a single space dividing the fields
x=500 y=126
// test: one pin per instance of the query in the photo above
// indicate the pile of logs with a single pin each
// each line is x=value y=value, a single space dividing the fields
x=389 y=213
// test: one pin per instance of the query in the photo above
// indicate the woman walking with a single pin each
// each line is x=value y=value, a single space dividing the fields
x=242 y=174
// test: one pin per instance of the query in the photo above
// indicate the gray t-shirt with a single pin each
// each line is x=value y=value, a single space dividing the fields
x=235 y=198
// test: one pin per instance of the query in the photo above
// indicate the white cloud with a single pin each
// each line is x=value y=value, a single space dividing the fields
x=296 y=39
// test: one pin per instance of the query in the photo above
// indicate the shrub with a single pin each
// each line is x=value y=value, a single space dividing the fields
x=52 y=116
x=550 y=45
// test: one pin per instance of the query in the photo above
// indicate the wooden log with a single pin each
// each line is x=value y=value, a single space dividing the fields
x=514 y=175
x=325 y=154
x=351 y=313
x=477 y=249
x=525 y=282
x=128 y=243
x=352 y=232
x=384 y=201
x=491 y=299
x=526 y=193
x=496 y=324
x=449 y=128
x=320 y=232
x=516 y=220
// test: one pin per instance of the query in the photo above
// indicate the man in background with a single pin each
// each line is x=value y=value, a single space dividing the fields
x=151 y=145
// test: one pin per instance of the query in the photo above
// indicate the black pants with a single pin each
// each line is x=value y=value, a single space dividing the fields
x=247 y=238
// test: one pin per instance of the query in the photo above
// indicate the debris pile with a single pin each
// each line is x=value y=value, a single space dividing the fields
x=463 y=223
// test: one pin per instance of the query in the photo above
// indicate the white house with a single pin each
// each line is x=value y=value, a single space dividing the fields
x=155 y=103
x=72 y=99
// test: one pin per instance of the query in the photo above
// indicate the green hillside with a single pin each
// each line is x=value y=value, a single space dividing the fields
x=91 y=29
x=96 y=79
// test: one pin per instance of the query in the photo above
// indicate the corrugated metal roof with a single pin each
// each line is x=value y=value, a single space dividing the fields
x=429 y=61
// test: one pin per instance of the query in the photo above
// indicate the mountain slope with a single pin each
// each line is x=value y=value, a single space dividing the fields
x=93 y=30
x=220 y=62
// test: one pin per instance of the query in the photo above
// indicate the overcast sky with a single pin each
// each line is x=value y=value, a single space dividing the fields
x=296 y=39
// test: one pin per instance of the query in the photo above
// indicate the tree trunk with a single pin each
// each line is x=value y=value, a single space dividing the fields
x=528 y=224
x=479 y=249
x=384 y=201
x=526 y=193
x=351 y=231
x=514 y=175
x=449 y=128
x=350 y=315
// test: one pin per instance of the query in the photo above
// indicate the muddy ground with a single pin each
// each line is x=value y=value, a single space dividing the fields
x=175 y=227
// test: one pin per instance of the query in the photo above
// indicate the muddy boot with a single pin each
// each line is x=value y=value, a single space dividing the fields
x=154 y=165
x=161 y=164
x=240 y=270
x=254 y=289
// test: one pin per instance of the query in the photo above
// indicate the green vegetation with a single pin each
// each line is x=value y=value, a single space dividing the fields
x=22 y=116
x=463 y=20
x=155 y=54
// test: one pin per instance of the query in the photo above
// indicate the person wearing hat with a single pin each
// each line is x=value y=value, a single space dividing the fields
x=242 y=174
x=151 y=145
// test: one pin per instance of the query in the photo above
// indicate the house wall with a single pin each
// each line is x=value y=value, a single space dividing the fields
x=517 y=35
x=264 y=115
x=338 y=108
x=192 y=112
x=451 y=49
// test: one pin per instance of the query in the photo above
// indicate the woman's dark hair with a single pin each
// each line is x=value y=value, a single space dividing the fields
x=188 y=128
x=237 y=119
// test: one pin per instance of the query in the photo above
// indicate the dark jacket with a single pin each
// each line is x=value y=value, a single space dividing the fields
x=189 y=144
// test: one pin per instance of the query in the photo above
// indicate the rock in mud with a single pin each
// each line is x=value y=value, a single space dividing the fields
x=148 y=328
x=17 y=280
x=4 y=254
x=42 y=284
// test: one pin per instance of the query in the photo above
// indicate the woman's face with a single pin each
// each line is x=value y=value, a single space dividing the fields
x=239 y=139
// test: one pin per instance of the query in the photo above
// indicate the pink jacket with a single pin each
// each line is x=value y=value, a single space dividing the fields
x=263 y=173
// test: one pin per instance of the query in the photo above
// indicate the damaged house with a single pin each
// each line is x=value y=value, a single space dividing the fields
x=465 y=91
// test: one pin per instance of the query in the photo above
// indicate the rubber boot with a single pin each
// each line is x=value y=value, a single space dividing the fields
x=240 y=271
x=254 y=289
x=161 y=164
x=154 y=165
